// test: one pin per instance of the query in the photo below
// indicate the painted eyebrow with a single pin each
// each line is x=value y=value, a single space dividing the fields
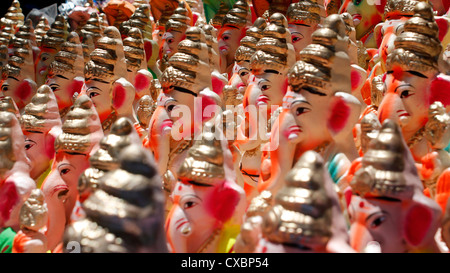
x=403 y=85
x=271 y=71
x=313 y=91
x=99 y=80
x=95 y=87
x=303 y=25
x=301 y=101
x=11 y=77
x=418 y=74
x=61 y=76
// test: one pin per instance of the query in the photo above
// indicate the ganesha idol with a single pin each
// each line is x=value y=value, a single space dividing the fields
x=50 y=45
x=413 y=83
x=66 y=73
x=137 y=72
x=175 y=29
x=141 y=19
x=18 y=78
x=305 y=216
x=318 y=111
x=366 y=15
x=388 y=206
x=106 y=158
x=106 y=83
x=208 y=205
x=125 y=213
x=187 y=92
x=15 y=181
x=303 y=19
x=264 y=94
x=80 y=138
x=234 y=26
x=245 y=51
x=41 y=124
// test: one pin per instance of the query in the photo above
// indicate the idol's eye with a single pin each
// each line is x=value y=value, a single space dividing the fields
x=265 y=87
x=5 y=88
x=54 y=87
x=93 y=94
x=296 y=39
x=29 y=146
x=45 y=58
x=170 y=107
x=405 y=94
x=189 y=204
x=243 y=73
x=64 y=171
x=378 y=221
x=301 y=110
x=226 y=37
x=357 y=2
x=170 y=40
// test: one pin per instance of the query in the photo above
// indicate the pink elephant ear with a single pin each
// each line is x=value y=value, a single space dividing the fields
x=8 y=199
x=221 y=202
x=123 y=96
x=417 y=224
x=75 y=86
x=143 y=80
x=440 y=90
x=443 y=27
x=377 y=33
x=340 y=112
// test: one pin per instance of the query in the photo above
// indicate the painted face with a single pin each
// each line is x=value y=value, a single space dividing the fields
x=6 y=151
x=299 y=122
x=389 y=31
x=44 y=60
x=228 y=40
x=61 y=193
x=376 y=220
x=366 y=14
x=64 y=88
x=189 y=223
x=240 y=77
x=180 y=108
x=39 y=148
x=99 y=92
x=407 y=99
x=171 y=39
x=267 y=88
x=301 y=37
x=19 y=90
x=157 y=35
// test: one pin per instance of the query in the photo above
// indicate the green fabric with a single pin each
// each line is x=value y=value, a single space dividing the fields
x=153 y=73
x=6 y=240
x=210 y=7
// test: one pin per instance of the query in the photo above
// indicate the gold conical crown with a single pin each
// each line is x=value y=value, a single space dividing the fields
x=204 y=162
x=237 y=16
x=418 y=46
x=56 y=35
x=42 y=113
x=302 y=211
x=304 y=12
x=41 y=29
x=82 y=129
x=248 y=43
x=383 y=165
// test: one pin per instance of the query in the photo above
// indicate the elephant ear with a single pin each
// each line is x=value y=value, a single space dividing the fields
x=142 y=82
x=377 y=34
x=358 y=78
x=440 y=90
x=418 y=222
x=222 y=201
x=123 y=97
x=344 y=114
